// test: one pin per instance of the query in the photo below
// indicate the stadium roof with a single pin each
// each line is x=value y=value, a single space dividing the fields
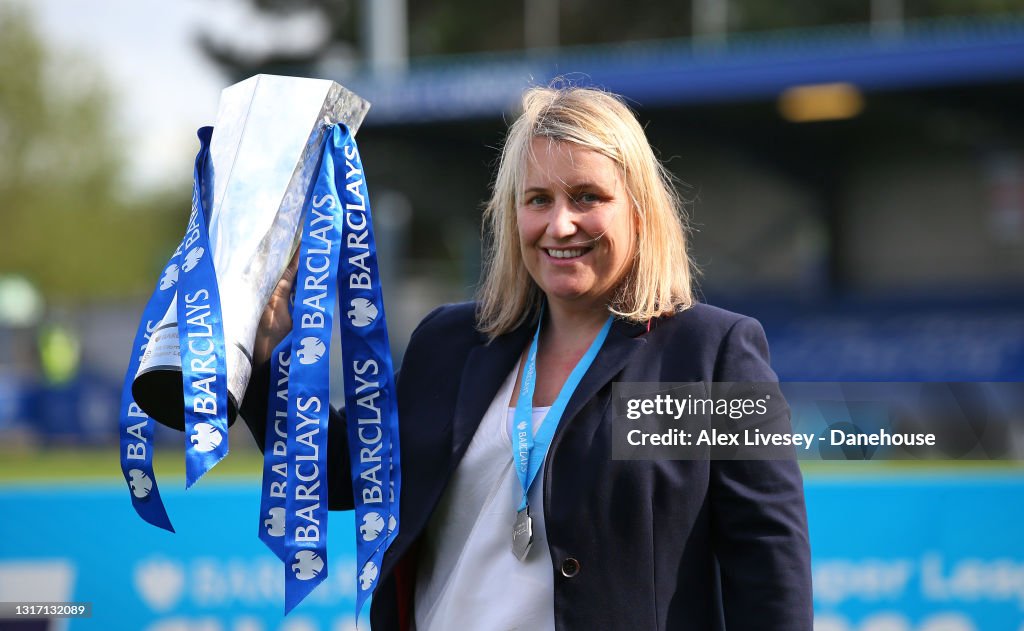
x=679 y=72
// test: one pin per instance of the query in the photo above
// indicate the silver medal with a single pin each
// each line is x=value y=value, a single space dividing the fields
x=522 y=534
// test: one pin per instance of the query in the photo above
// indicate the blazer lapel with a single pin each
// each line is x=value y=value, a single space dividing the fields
x=623 y=340
x=488 y=365
x=485 y=370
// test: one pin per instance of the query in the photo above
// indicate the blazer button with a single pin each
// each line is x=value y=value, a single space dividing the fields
x=570 y=567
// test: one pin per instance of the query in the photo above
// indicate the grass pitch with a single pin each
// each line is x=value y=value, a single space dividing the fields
x=71 y=464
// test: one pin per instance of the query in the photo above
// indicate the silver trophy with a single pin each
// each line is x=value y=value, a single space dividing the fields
x=264 y=152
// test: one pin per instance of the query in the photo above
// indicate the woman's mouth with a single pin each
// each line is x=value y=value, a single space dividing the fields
x=566 y=253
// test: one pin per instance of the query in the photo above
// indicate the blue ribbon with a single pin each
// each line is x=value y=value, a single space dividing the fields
x=337 y=262
x=294 y=500
x=275 y=451
x=136 y=427
x=370 y=393
x=201 y=336
x=529 y=450
x=309 y=390
x=189 y=276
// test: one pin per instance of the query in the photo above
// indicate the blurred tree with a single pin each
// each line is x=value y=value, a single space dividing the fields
x=468 y=26
x=435 y=27
x=66 y=225
x=930 y=8
x=268 y=47
x=757 y=15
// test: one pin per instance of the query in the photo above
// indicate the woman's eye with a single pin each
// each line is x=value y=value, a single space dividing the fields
x=537 y=200
x=588 y=198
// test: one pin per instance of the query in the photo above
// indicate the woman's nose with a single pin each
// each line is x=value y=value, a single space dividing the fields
x=561 y=220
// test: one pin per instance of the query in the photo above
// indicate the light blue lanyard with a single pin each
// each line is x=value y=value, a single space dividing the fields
x=529 y=450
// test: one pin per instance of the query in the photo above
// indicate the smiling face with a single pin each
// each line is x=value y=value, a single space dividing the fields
x=576 y=226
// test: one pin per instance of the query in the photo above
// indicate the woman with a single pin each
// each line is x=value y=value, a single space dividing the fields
x=587 y=282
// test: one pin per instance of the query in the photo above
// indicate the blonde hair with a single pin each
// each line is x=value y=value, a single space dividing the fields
x=659 y=282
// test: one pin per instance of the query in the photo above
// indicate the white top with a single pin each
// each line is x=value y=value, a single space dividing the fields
x=467 y=576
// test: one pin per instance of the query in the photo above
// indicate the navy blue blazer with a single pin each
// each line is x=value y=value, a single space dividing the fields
x=674 y=545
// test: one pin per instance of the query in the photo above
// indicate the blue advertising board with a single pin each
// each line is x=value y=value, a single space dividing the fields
x=918 y=552
x=905 y=551
x=73 y=542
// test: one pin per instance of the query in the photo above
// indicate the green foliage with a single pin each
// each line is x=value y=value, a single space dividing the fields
x=438 y=27
x=930 y=8
x=757 y=15
x=464 y=27
x=65 y=223
x=240 y=54
x=46 y=466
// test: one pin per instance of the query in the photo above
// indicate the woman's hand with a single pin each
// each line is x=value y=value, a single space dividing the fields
x=275 y=322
